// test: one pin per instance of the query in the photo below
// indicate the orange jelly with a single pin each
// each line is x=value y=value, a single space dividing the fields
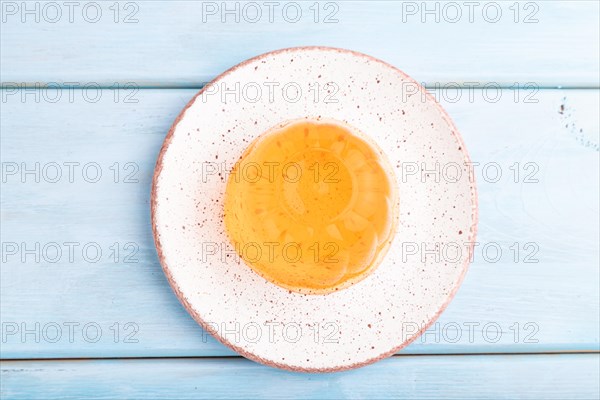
x=311 y=206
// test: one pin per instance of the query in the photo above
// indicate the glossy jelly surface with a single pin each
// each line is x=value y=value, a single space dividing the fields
x=311 y=206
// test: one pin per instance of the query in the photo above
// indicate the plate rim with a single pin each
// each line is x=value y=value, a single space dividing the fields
x=183 y=299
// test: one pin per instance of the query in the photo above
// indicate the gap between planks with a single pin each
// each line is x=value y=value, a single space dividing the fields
x=123 y=85
x=558 y=352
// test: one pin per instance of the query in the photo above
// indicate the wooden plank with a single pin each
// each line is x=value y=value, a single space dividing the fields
x=185 y=43
x=551 y=305
x=432 y=377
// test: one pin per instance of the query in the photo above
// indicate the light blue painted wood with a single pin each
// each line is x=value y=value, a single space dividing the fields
x=170 y=45
x=441 y=377
x=560 y=213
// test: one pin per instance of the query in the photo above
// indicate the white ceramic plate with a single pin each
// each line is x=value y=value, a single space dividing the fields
x=371 y=319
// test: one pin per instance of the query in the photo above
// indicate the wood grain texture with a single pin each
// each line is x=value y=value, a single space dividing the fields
x=548 y=306
x=558 y=295
x=553 y=43
x=441 y=377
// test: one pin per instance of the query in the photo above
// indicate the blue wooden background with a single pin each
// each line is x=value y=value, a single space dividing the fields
x=75 y=325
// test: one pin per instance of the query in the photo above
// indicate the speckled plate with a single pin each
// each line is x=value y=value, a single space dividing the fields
x=427 y=259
